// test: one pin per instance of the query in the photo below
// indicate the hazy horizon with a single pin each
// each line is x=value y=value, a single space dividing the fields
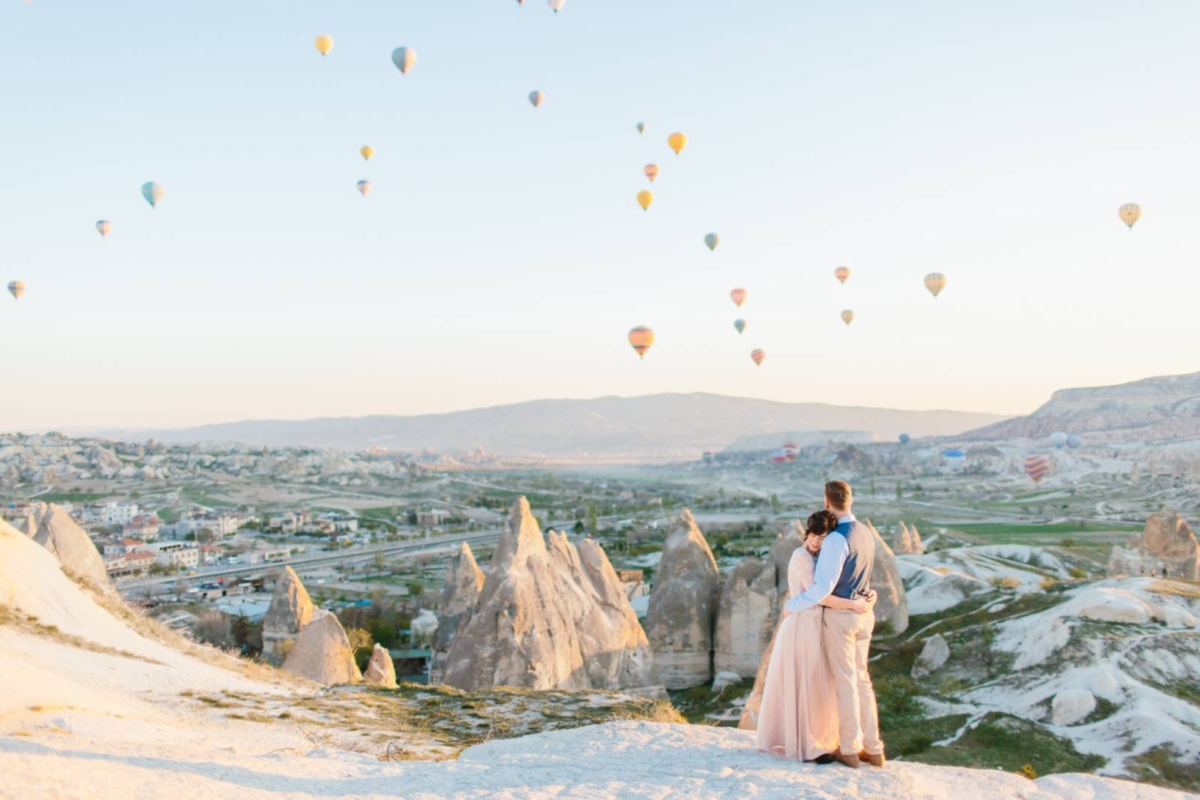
x=501 y=256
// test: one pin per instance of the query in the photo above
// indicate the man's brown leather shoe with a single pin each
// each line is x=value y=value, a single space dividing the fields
x=849 y=759
x=874 y=759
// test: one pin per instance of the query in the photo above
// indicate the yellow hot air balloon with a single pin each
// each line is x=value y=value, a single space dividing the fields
x=651 y=171
x=364 y=187
x=16 y=289
x=645 y=198
x=1129 y=213
x=935 y=282
x=324 y=44
x=738 y=296
x=677 y=141
x=537 y=98
x=640 y=339
x=757 y=357
x=105 y=227
x=367 y=151
x=405 y=58
x=847 y=316
x=841 y=273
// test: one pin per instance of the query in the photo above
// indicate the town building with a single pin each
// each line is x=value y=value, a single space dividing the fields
x=110 y=513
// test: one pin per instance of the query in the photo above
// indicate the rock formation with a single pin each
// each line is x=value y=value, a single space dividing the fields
x=548 y=618
x=1071 y=706
x=934 y=654
x=746 y=614
x=322 y=652
x=892 y=605
x=464 y=582
x=749 y=718
x=28 y=525
x=1166 y=546
x=918 y=546
x=788 y=542
x=682 y=608
x=62 y=536
x=290 y=610
x=381 y=671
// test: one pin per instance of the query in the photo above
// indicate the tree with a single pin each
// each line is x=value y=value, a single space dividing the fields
x=213 y=627
x=899 y=492
x=776 y=506
x=362 y=644
x=578 y=529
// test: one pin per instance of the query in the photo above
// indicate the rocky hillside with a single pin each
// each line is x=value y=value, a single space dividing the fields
x=1142 y=411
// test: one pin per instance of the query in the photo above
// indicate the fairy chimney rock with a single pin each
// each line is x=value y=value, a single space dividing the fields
x=62 y=536
x=322 y=652
x=381 y=671
x=464 y=582
x=290 y=610
x=745 y=621
x=892 y=603
x=1167 y=546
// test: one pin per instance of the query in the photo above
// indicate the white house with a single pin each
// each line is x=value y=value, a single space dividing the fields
x=110 y=513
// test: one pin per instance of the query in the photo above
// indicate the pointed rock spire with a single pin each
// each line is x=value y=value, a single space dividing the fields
x=322 y=652
x=892 y=604
x=381 y=671
x=62 y=536
x=290 y=610
x=744 y=622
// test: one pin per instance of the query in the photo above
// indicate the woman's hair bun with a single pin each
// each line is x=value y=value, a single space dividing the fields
x=821 y=522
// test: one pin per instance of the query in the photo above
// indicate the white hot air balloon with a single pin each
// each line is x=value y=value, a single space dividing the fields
x=405 y=58
x=556 y=5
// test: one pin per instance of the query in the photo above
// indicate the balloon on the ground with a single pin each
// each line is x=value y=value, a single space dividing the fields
x=757 y=356
x=955 y=459
x=105 y=227
x=790 y=450
x=405 y=58
x=847 y=316
x=935 y=282
x=556 y=5
x=677 y=141
x=364 y=187
x=645 y=198
x=324 y=44
x=640 y=339
x=1130 y=212
x=16 y=289
x=367 y=151
x=738 y=296
x=641 y=126
x=1037 y=467
x=740 y=324
x=1058 y=439
x=153 y=192
x=537 y=98
x=651 y=171
x=905 y=438
x=712 y=240
x=1074 y=440
x=841 y=273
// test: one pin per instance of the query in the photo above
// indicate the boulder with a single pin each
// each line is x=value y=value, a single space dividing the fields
x=1071 y=706
x=745 y=620
x=892 y=604
x=1167 y=546
x=933 y=655
x=322 y=652
x=381 y=672
x=62 y=536
x=682 y=608
x=290 y=610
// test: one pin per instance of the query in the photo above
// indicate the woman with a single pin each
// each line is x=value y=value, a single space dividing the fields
x=798 y=718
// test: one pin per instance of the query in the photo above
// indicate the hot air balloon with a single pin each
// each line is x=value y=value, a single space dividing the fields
x=640 y=339
x=1074 y=440
x=757 y=357
x=651 y=171
x=935 y=282
x=364 y=187
x=955 y=459
x=677 y=141
x=645 y=198
x=1129 y=213
x=105 y=227
x=778 y=457
x=904 y=438
x=367 y=151
x=712 y=240
x=738 y=296
x=790 y=450
x=556 y=5
x=841 y=273
x=537 y=98
x=641 y=126
x=740 y=324
x=153 y=192
x=1058 y=439
x=847 y=316
x=16 y=289
x=405 y=58
x=324 y=44
x=1038 y=467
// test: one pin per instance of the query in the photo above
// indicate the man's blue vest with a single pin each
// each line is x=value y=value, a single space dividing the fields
x=856 y=572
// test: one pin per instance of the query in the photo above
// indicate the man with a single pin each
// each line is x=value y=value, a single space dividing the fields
x=844 y=570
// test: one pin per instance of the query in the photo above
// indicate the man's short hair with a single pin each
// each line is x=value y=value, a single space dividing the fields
x=839 y=494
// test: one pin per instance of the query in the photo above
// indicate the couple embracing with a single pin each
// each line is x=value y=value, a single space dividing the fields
x=818 y=703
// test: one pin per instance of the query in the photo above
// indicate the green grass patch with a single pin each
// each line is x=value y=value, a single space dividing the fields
x=1002 y=741
x=1164 y=766
x=696 y=703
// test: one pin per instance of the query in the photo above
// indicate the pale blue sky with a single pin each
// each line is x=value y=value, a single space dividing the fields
x=501 y=255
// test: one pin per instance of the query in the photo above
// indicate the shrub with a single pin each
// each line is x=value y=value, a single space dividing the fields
x=1078 y=573
x=1029 y=772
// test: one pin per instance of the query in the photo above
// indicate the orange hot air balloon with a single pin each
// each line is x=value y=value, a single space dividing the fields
x=841 y=273
x=738 y=296
x=651 y=171
x=640 y=339
x=1038 y=467
x=757 y=357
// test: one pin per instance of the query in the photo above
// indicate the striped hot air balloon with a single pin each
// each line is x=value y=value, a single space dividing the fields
x=757 y=357
x=1129 y=213
x=651 y=171
x=640 y=339
x=841 y=273
x=1038 y=467
x=935 y=282
x=790 y=450
x=738 y=296
x=847 y=316
x=16 y=289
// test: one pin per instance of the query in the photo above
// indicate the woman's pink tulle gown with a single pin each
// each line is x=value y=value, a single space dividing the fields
x=798 y=718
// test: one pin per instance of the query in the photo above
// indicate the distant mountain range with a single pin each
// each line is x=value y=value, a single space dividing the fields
x=1148 y=410
x=660 y=426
